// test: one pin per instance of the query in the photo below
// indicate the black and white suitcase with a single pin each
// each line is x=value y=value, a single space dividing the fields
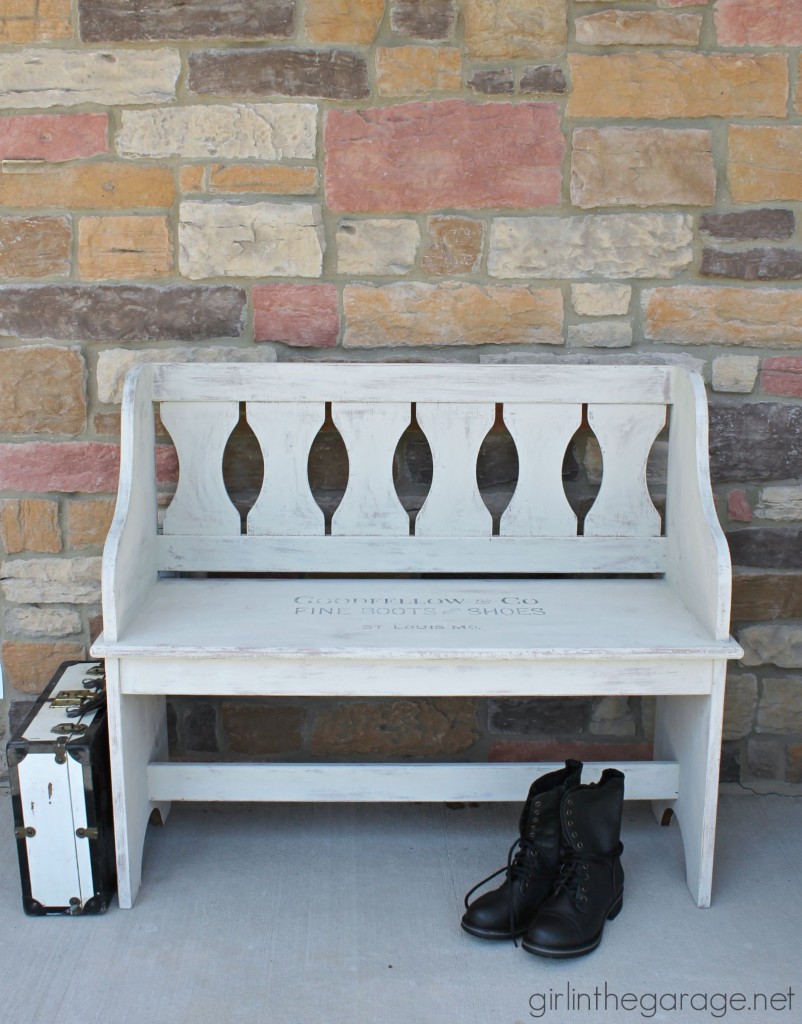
x=61 y=795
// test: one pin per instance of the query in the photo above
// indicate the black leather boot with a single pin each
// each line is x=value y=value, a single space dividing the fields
x=532 y=862
x=590 y=885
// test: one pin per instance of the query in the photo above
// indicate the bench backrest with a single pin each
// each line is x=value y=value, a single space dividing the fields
x=455 y=407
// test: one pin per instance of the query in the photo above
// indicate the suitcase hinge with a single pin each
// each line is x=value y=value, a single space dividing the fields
x=21 y=832
x=86 y=833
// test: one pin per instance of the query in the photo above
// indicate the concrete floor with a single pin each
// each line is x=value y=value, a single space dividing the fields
x=349 y=914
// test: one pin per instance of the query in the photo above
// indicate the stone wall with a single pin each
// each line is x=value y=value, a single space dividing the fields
x=466 y=180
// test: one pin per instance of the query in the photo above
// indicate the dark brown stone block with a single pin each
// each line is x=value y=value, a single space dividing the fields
x=331 y=74
x=262 y=730
x=749 y=224
x=550 y=750
x=764 y=596
x=200 y=727
x=122 y=312
x=766 y=548
x=424 y=19
x=761 y=441
x=754 y=264
x=112 y=20
x=545 y=78
x=543 y=716
x=34 y=246
x=493 y=83
x=396 y=728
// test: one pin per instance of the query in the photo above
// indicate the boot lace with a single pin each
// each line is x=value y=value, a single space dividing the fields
x=524 y=863
x=573 y=873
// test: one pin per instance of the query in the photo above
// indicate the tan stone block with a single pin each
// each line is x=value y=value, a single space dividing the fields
x=501 y=29
x=274 y=179
x=30 y=622
x=29 y=525
x=451 y=313
x=35 y=246
x=638 y=28
x=53 y=77
x=191 y=178
x=54 y=19
x=417 y=70
x=26 y=21
x=42 y=390
x=87 y=186
x=455 y=246
x=642 y=167
x=617 y=245
x=601 y=299
x=88 y=521
x=604 y=334
x=377 y=247
x=51 y=580
x=678 y=84
x=124 y=247
x=343 y=21
x=735 y=373
x=221 y=131
x=29 y=667
x=265 y=239
x=780 y=502
x=399 y=728
x=765 y=163
x=755 y=317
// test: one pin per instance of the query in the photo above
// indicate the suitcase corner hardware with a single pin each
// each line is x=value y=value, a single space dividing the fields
x=21 y=832
x=86 y=833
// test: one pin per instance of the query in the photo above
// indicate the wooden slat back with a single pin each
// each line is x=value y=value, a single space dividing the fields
x=372 y=406
x=200 y=432
x=285 y=432
x=370 y=505
x=454 y=506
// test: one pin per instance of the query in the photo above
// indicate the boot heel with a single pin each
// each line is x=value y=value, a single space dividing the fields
x=615 y=909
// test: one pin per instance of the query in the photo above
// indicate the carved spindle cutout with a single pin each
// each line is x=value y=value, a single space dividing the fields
x=539 y=507
x=285 y=506
x=370 y=505
x=454 y=507
x=200 y=431
x=626 y=434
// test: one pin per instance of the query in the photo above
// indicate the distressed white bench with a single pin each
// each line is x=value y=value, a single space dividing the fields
x=445 y=607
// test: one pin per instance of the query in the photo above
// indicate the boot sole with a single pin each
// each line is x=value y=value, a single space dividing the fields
x=567 y=952
x=486 y=933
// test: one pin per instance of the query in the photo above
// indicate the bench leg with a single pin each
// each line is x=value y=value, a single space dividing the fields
x=688 y=730
x=137 y=735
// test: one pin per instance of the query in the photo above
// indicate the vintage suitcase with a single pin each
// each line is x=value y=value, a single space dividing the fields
x=61 y=795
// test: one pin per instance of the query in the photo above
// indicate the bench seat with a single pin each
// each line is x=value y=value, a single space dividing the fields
x=391 y=620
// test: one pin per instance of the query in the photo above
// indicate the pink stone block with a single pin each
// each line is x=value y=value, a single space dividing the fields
x=782 y=375
x=305 y=315
x=414 y=157
x=87 y=467
x=53 y=137
x=759 y=22
x=738 y=507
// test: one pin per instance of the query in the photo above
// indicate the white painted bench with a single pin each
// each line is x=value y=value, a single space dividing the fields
x=490 y=618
